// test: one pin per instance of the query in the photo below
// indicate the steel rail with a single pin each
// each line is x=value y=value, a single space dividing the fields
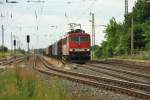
x=113 y=74
x=108 y=80
x=5 y=59
x=18 y=60
x=119 y=70
x=97 y=81
x=123 y=65
x=92 y=82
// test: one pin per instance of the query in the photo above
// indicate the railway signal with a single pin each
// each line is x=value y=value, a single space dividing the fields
x=14 y=43
x=28 y=38
x=28 y=41
x=15 y=46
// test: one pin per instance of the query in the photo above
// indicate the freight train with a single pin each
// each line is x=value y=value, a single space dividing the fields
x=74 y=47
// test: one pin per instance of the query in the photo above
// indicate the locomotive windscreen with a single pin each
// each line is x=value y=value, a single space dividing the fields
x=74 y=39
x=84 y=39
x=80 y=39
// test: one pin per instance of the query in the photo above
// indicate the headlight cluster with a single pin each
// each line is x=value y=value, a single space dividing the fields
x=77 y=50
x=87 y=49
x=70 y=49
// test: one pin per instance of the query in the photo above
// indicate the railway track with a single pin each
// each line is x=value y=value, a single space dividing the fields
x=125 y=87
x=121 y=74
x=140 y=67
x=5 y=59
x=10 y=61
x=119 y=70
x=19 y=59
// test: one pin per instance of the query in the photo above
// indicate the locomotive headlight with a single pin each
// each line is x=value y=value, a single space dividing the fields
x=70 y=49
x=87 y=49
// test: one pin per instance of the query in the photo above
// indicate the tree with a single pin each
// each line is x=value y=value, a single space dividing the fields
x=118 y=35
x=141 y=11
x=3 y=47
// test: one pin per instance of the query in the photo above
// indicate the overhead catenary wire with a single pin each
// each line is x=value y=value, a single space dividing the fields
x=87 y=9
x=68 y=17
x=38 y=14
x=37 y=8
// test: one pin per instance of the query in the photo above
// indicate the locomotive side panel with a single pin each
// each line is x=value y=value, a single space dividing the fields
x=50 y=50
x=46 y=51
x=59 y=50
x=65 y=50
x=55 y=49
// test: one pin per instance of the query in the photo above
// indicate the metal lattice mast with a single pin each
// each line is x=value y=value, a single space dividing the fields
x=93 y=32
x=126 y=7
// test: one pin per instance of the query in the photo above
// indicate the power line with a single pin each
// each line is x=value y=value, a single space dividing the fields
x=36 y=1
x=89 y=7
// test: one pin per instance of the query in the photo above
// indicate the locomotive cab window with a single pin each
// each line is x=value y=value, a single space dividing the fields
x=74 y=39
x=84 y=39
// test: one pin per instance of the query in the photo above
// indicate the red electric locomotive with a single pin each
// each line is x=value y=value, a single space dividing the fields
x=76 y=46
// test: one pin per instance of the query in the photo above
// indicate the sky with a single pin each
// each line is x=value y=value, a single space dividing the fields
x=52 y=18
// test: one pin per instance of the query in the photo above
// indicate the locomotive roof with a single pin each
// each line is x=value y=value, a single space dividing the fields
x=76 y=31
x=78 y=34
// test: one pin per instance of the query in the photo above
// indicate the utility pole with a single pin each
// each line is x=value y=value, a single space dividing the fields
x=93 y=31
x=132 y=35
x=126 y=7
x=3 y=40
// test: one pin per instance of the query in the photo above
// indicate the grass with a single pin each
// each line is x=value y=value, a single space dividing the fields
x=142 y=56
x=139 y=56
x=9 y=53
x=18 y=84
